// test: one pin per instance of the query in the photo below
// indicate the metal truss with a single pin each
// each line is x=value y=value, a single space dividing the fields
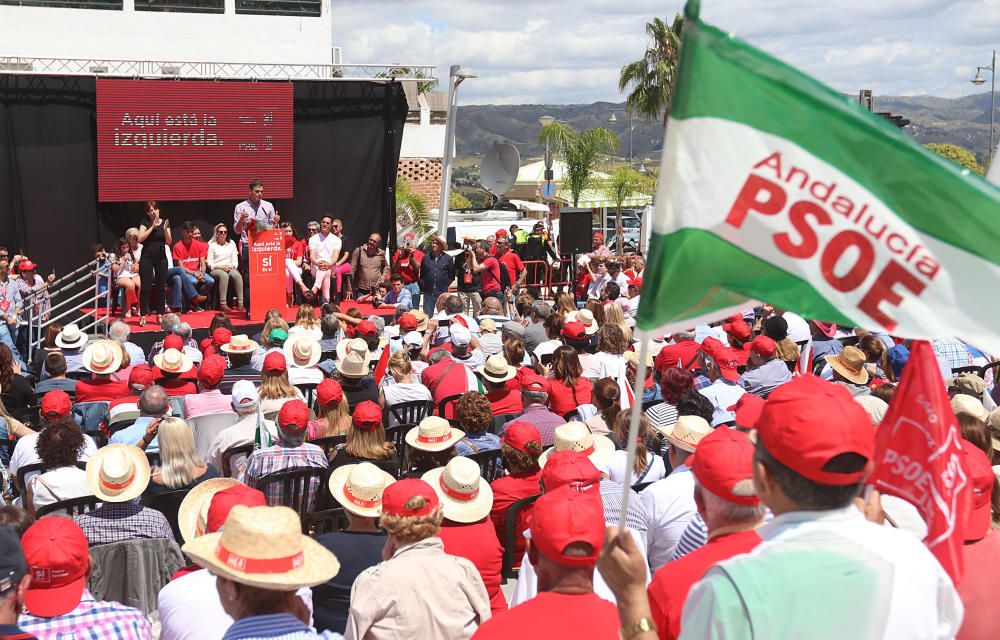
x=18 y=65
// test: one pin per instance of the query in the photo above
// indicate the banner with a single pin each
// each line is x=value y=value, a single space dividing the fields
x=918 y=457
x=775 y=187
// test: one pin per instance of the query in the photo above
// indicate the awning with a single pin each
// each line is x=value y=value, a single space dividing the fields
x=525 y=205
x=592 y=199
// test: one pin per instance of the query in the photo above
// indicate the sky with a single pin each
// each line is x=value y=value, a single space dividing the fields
x=565 y=52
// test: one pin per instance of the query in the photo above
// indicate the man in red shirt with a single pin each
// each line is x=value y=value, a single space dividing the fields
x=979 y=588
x=189 y=255
x=726 y=501
x=511 y=261
x=102 y=358
x=488 y=269
x=567 y=533
x=406 y=262
x=683 y=353
x=447 y=377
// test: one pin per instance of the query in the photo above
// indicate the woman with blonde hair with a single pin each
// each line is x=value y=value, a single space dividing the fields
x=275 y=389
x=335 y=417
x=180 y=467
x=564 y=303
x=648 y=467
x=271 y=322
x=402 y=386
x=613 y=315
x=366 y=441
x=306 y=323
x=222 y=261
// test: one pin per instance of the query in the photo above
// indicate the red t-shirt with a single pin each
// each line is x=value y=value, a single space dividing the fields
x=979 y=589
x=455 y=383
x=670 y=585
x=505 y=401
x=178 y=387
x=685 y=353
x=477 y=542
x=300 y=249
x=513 y=263
x=563 y=399
x=101 y=389
x=490 y=275
x=409 y=266
x=554 y=616
x=189 y=257
x=506 y=491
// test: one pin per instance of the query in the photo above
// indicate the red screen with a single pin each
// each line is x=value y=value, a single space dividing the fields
x=192 y=140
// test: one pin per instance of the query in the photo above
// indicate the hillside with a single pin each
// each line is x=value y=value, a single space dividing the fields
x=963 y=121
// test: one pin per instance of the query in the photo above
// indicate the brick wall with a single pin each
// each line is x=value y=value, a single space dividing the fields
x=424 y=176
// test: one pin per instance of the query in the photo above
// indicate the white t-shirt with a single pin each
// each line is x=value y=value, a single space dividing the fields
x=399 y=393
x=57 y=485
x=596 y=285
x=616 y=469
x=24 y=453
x=325 y=248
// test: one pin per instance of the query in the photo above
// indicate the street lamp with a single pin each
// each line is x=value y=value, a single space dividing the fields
x=613 y=119
x=978 y=80
x=455 y=77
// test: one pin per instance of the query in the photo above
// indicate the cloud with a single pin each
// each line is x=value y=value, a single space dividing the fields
x=564 y=52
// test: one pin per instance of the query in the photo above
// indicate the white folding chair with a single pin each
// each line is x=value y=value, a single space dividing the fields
x=206 y=427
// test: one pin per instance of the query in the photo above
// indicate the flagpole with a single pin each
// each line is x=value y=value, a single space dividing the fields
x=633 y=429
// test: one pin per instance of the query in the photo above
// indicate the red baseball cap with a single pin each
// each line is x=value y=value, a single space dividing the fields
x=329 y=392
x=58 y=559
x=574 y=331
x=141 y=376
x=519 y=434
x=977 y=465
x=173 y=341
x=409 y=235
x=598 y=234
x=723 y=459
x=566 y=516
x=366 y=328
x=221 y=336
x=722 y=356
x=294 y=416
x=274 y=364
x=224 y=501
x=534 y=382
x=569 y=467
x=211 y=370
x=397 y=494
x=56 y=404
x=26 y=265
x=747 y=409
x=807 y=422
x=367 y=416
x=764 y=346
x=737 y=328
x=407 y=323
x=501 y=233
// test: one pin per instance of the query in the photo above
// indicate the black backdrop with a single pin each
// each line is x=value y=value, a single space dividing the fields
x=347 y=140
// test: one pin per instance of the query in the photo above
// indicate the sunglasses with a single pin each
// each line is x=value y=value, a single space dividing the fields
x=222 y=232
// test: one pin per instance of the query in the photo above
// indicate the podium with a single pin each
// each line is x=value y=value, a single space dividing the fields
x=267 y=271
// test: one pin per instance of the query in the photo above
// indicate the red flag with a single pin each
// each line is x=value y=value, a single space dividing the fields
x=918 y=457
x=381 y=366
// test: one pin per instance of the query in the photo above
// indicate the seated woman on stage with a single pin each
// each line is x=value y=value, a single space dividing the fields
x=222 y=261
x=126 y=270
x=296 y=262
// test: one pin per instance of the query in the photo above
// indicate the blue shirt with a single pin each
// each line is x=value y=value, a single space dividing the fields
x=484 y=441
x=276 y=626
x=436 y=273
x=766 y=378
x=402 y=301
x=134 y=433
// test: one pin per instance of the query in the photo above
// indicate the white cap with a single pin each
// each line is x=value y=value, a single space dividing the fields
x=243 y=390
x=413 y=339
x=460 y=336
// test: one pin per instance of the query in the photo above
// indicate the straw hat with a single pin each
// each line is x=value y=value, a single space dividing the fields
x=433 y=434
x=465 y=497
x=586 y=316
x=302 y=351
x=173 y=361
x=191 y=514
x=632 y=358
x=356 y=344
x=962 y=403
x=576 y=436
x=71 y=337
x=687 y=432
x=264 y=547
x=358 y=488
x=240 y=343
x=850 y=363
x=102 y=356
x=422 y=319
x=354 y=365
x=117 y=472
x=497 y=370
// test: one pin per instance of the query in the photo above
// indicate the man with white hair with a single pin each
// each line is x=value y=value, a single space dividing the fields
x=249 y=422
x=191 y=350
x=120 y=332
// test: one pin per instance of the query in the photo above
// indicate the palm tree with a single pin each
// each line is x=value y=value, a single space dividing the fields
x=582 y=152
x=625 y=183
x=411 y=210
x=650 y=81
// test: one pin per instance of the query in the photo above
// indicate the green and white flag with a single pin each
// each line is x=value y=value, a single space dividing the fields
x=776 y=188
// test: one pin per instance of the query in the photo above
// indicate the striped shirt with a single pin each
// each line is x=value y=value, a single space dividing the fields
x=276 y=626
x=694 y=537
x=953 y=350
x=119 y=521
x=278 y=458
x=611 y=495
x=90 y=620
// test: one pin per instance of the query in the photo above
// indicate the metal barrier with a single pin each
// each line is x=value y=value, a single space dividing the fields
x=561 y=266
x=66 y=296
x=537 y=277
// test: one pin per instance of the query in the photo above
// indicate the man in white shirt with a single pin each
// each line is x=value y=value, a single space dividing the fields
x=598 y=278
x=324 y=251
x=834 y=573
x=633 y=297
x=670 y=502
x=724 y=392
x=261 y=211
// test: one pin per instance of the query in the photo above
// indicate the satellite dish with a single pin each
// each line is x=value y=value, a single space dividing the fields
x=499 y=168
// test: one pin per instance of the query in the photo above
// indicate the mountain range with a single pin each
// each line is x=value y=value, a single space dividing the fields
x=962 y=121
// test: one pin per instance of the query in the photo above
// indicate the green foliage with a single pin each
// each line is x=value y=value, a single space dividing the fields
x=650 y=81
x=582 y=153
x=411 y=210
x=958 y=155
x=407 y=72
x=458 y=201
x=623 y=184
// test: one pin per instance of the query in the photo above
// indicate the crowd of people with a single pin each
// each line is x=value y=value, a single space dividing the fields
x=384 y=476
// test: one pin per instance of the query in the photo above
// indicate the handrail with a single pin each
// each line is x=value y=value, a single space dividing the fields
x=63 y=292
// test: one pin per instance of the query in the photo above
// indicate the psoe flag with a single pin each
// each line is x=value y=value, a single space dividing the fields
x=775 y=187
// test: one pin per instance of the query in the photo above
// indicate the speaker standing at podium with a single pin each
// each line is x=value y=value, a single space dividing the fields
x=253 y=208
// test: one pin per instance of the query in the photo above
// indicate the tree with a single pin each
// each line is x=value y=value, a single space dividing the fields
x=406 y=72
x=624 y=183
x=581 y=152
x=650 y=81
x=958 y=155
x=458 y=201
x=411 y=210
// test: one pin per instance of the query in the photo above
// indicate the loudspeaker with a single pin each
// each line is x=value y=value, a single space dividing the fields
x=575 y=231
x=452 y=237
